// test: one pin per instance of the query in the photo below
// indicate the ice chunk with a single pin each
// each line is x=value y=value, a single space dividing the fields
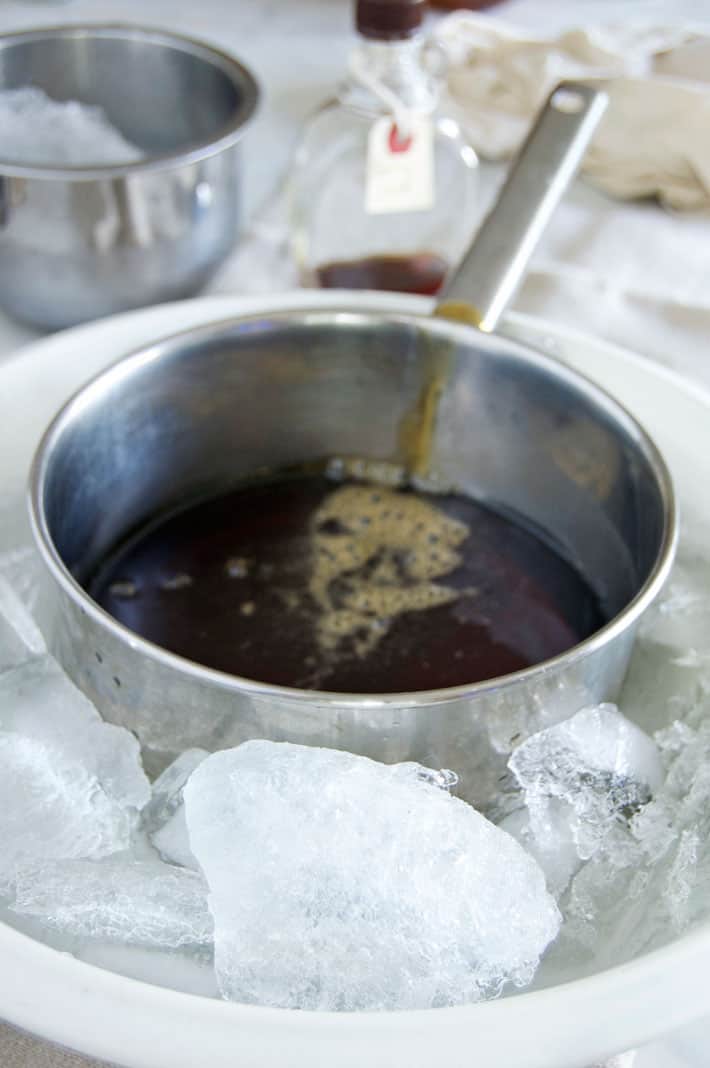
x=164 y=816
x=70 y=785
x=117 y=900
x=555 y=852
x=410 y=771
x=338 y=883
x=172 y=841
x=611 y=910
x=650 y=880
x=52 y=806
x=20 y=637
x=38 y=701
x=166 y=793
x=37 y=129
x=674 y=830
x=598 y=764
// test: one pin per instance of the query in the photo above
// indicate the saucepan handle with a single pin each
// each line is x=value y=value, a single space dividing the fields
x=490 y=273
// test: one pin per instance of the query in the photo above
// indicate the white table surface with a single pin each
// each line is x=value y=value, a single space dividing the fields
x=297 y=49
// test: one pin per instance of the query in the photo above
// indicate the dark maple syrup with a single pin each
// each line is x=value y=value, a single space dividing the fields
x=349 y=588
x=422 y=273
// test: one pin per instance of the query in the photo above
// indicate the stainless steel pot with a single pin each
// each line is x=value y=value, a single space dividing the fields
x=195 y=413
x=80 y=242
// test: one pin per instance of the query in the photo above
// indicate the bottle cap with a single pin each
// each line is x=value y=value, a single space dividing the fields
x=389 y=20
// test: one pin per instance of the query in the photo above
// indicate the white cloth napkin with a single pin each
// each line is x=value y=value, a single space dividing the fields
x=653 y=140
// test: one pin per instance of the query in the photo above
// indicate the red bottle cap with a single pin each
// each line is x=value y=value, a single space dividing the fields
x=389 y=20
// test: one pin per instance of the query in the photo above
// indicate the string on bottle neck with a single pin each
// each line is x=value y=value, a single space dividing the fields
x=402 y=116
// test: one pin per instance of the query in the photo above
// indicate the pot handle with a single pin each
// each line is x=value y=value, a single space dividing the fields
x=486 y=280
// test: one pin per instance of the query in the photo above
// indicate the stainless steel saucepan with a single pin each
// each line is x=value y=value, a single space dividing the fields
x=78 y=242
x=198 y=412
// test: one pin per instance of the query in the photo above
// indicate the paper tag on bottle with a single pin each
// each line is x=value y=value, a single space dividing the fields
x=400 y=170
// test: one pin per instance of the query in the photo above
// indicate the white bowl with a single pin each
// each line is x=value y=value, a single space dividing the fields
x=144 y=1026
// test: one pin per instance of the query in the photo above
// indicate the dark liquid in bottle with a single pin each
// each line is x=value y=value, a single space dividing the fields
x=347 y=587
x=422 y=273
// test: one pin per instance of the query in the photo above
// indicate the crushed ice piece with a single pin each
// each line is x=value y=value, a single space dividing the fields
x=682 y=876
x=39 y=130
x=39 y=701
x=164 y=816
x=598 y=764
x=682 y=807
x=338 y=883
x=70 y=785
x=611 y=908
x=117 y=900
x=20 y=637
x=650 y=881
x=166 y=793
x=173 y=842
x=444 y=778
x=410 y=771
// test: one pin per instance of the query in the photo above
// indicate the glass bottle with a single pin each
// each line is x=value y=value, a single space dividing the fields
x=383 y=184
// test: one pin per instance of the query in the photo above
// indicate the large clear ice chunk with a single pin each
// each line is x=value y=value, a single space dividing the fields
x=592 y=769
x=650 y=880
x=38 y=701
x=51 y=806
x=337 y=883
x=123 y=900
x=71 y=786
